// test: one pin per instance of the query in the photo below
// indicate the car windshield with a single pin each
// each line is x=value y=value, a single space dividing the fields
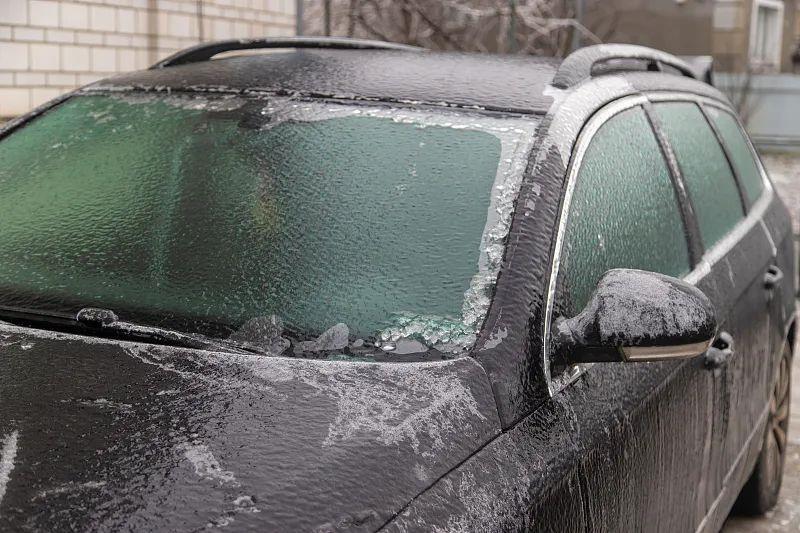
x=205 y=214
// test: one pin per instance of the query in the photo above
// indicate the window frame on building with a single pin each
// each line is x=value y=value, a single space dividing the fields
x=766 y=59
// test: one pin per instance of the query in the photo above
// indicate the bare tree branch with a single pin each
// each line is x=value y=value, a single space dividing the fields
x=541 y=27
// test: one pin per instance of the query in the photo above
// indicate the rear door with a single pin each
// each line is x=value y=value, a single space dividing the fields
x=736 y=254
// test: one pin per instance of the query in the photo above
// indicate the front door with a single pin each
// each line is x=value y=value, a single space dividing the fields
x=645 y=426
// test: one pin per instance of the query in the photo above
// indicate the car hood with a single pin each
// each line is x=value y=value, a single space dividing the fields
x=98 y=434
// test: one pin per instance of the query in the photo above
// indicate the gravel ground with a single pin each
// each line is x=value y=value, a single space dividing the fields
x=785 y=517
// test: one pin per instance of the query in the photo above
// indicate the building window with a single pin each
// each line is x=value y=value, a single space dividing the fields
x=766 y=34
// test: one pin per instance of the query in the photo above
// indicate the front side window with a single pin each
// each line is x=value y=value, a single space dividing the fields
x=705 y=169
x=623 y=213
x=741 y=155
x=203 y=213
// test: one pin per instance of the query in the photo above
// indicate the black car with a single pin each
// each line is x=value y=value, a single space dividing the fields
x=346 y=285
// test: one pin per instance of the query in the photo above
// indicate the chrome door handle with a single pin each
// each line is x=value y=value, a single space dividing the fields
x=773 y=276
x=720 y=351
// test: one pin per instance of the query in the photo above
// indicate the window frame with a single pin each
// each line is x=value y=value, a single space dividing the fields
x=773 y=62
x=701 y=264
x=748 y=205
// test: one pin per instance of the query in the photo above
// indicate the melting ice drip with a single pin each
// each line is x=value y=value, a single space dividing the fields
x=7 y=456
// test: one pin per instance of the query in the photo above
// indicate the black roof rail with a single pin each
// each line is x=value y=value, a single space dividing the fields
x=205 y=51
x=579 y=65
x=703 y=67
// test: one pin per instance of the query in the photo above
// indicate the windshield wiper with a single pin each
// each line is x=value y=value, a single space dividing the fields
x=105 y=323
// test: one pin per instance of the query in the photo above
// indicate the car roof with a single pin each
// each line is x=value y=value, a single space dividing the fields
x=497 y=82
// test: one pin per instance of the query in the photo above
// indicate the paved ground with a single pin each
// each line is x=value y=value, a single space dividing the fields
x=785 y=518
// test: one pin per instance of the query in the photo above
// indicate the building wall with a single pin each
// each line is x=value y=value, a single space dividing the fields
x=681 y=27
x=48 y=47
x=731 y=38
x=789 y=35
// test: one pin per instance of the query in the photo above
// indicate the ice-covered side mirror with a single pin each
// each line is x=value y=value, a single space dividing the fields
x=635 y=315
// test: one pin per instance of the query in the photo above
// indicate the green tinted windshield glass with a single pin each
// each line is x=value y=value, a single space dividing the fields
x=219 y=211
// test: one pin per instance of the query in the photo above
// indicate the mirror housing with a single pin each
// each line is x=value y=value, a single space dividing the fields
x=635 y=315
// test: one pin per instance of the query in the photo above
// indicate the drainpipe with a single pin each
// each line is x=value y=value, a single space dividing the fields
x=299 y=17
x=577 y=38
x=512 y=26
x=327 y=5
x=152 y=31
x=200 y=36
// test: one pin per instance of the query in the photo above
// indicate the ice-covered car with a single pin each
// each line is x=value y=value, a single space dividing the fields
x=344 y=285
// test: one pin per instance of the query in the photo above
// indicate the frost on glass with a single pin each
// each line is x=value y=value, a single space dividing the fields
x=705 y=169
x=740 y=152
x=331 y=221
x=623 y=212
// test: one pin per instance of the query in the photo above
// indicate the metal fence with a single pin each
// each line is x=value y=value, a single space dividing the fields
x=770 y=107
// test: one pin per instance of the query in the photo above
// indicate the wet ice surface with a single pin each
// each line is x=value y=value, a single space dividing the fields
x=227 y=438
x=785 y=517
x=444 y=333
x=334 y=338
x=8 y=453
x=448 y=322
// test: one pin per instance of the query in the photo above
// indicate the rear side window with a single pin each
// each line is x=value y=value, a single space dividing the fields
x=741 y=154
x=706 y=172
x=623 y=213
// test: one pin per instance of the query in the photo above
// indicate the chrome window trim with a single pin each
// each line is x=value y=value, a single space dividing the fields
x=584 y=139
x=710 y=256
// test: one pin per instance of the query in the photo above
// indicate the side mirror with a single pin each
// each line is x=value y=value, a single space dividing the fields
x=635 y=315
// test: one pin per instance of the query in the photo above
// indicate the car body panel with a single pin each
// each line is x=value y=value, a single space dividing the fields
x=594 y=458
x=688 y=439
x=506 y=82
x=621 y=448
x=115 y=435
x=517 y=313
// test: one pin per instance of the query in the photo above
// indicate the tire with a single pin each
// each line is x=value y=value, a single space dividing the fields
x=760 y=493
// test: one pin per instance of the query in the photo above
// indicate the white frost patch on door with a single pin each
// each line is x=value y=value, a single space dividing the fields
x=70 y=487
x=7 y=456
x=206 y=465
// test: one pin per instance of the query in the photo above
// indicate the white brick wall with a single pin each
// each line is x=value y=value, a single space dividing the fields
x=48 y=47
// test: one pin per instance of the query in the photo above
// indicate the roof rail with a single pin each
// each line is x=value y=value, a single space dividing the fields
x=703 y=67
x=205 y=51
x=579 y=65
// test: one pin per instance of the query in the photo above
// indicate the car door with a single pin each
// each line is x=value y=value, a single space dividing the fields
x=767 y=211
x=623 y=209
x=737 y=253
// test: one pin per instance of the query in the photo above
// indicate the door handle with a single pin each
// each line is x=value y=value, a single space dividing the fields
x=772 y=277
x=719 y=352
